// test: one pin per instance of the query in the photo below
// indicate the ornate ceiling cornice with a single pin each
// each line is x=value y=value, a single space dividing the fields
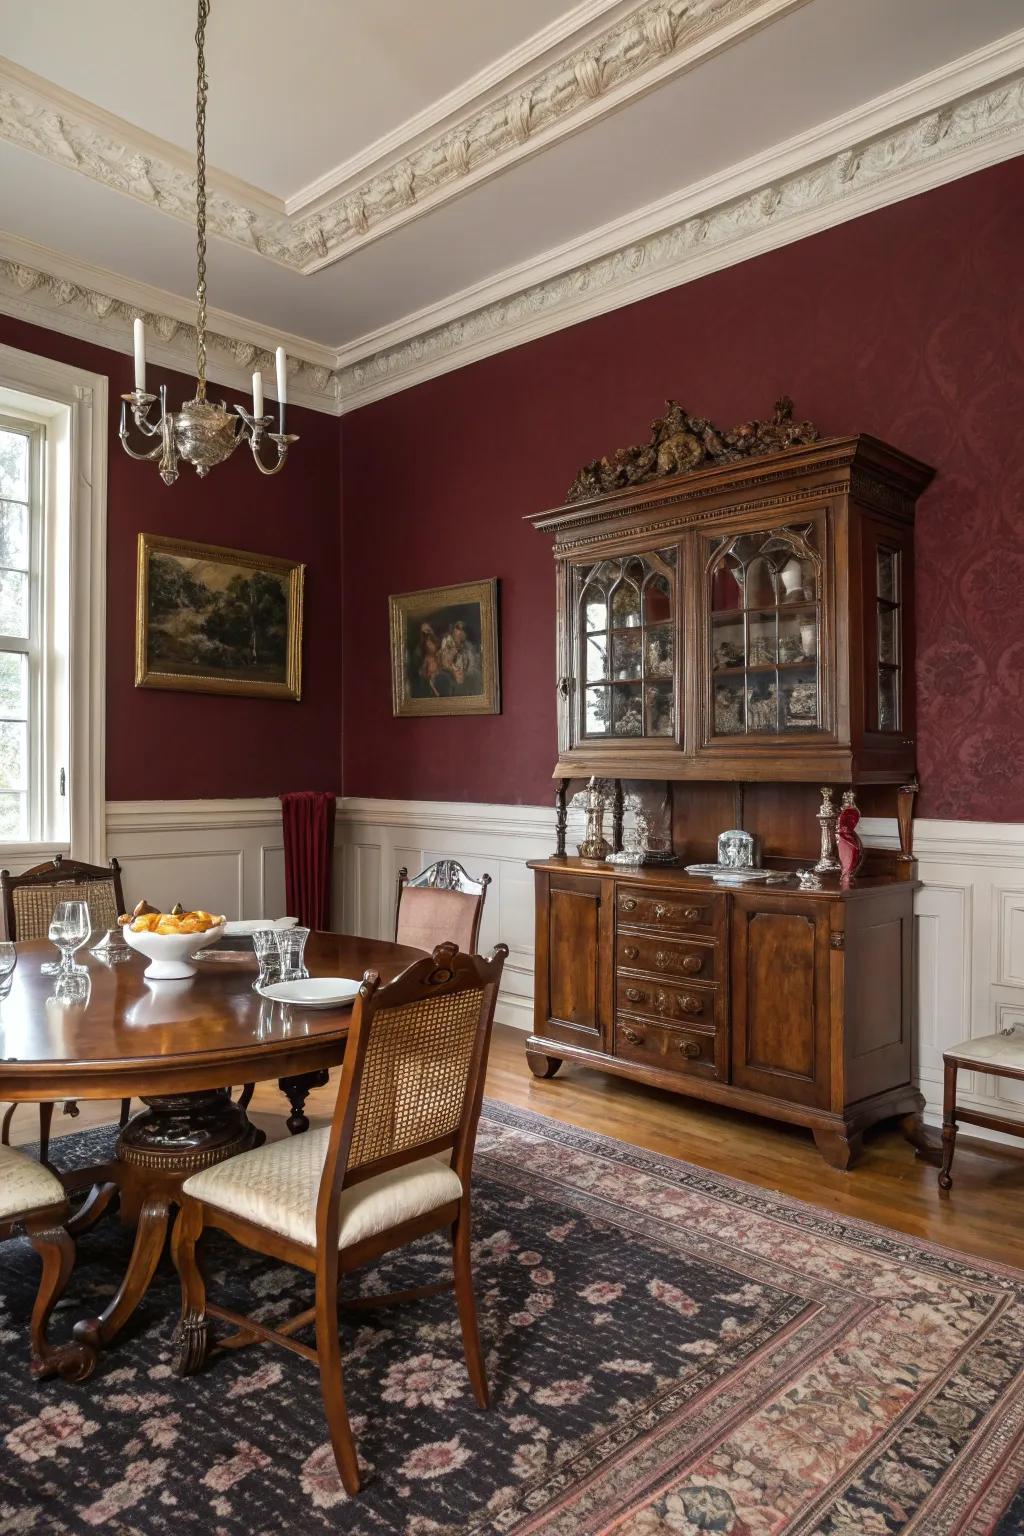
x=946 y=125
x=524 y=108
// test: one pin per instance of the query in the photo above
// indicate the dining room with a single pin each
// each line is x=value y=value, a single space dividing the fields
x=511 y=830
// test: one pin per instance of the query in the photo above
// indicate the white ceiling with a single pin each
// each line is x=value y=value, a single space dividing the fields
x=303 y=88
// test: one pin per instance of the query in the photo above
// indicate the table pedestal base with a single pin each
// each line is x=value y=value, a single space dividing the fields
x=173 y=1138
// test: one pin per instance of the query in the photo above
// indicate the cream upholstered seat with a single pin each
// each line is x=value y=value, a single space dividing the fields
x=26 y=1185
x=988 y=1051
x=999 y=1055
x=277 y=1186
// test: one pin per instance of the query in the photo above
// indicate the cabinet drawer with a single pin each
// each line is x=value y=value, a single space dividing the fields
x=672 y=1004
x=691 y=914
x=678 y=1050
x=675 y=958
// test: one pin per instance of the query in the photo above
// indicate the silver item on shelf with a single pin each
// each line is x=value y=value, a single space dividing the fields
x=649 y=840
x=595 y=847
x=736 y=850
x=828 y=863
x=808 y=880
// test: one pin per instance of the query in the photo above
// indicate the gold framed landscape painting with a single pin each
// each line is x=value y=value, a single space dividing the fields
x=216 y=620
x=444 y=650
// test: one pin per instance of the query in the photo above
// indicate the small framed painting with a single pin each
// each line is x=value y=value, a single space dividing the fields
x=444 y=650
x=215 y=620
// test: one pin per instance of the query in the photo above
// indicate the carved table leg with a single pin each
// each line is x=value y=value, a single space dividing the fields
x=905 y=796
x=95 y=1205
x=561 y=817
x=74 y=1362
x=296 y=1090
x=838 y=1147
x=926 y=1143
x=149 y=1245
x=542 y=1065
x=948 y=1124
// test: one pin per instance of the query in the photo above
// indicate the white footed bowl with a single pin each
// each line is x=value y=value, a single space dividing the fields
x=168 y=952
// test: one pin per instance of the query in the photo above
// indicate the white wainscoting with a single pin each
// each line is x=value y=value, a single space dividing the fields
x=228 y=854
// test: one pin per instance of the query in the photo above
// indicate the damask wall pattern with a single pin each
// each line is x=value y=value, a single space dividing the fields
x=907 y=323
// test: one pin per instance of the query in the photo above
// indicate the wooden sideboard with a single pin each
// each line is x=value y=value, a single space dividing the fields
x=795 y=1004
x=744 y=633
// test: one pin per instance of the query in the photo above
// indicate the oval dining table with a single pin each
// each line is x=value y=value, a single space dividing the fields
x=180 y=1047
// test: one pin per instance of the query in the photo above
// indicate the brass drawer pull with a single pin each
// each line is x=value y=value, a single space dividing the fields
x=632 y=1036
x=691 y=914
x=630 y=951
x=689 y=1048
x=627 y=904
x=691 y=1005
x=635 y=995
x=692 y=964
x=661 y=911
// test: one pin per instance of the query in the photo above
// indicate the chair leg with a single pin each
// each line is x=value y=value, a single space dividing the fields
x=126 y=1112
x=75 y=1361
x=948 y=1124
x=45 y=1121
x=5 y=1127
x=466 y=1302
x=193 y=1330
x=332 y=1388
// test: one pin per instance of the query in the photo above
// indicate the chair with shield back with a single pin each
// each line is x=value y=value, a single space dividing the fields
x=393 y=1166
x=28 y=903
x=441 y=905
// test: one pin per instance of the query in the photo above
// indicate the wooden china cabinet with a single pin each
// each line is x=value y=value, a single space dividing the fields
x=744 y=632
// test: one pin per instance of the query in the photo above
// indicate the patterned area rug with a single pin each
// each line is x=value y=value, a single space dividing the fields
x=670 y=1353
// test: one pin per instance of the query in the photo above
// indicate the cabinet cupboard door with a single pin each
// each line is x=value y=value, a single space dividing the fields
x=574 y=960
x=781 y=1021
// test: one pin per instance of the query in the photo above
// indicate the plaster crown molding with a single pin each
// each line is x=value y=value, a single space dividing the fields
x=948 y=124
x=468 y=137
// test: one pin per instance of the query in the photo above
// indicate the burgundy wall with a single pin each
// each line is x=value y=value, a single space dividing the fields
x=907 y=323
x=163 y=745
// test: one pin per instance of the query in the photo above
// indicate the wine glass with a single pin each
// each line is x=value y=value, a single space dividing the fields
x=70 y=927
x=8 y=960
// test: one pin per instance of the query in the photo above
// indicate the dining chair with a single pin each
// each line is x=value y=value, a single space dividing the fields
x=28 y=901
x=442 y=904
x=34 y=1204
x=393 y=1165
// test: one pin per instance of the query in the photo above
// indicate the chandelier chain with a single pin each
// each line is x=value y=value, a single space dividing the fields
x=202 y=90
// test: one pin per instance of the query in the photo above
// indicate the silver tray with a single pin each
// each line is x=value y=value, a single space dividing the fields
x=730 y=876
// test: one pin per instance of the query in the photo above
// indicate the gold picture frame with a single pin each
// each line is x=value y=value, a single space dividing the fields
x=444 y=650
x=196 y=619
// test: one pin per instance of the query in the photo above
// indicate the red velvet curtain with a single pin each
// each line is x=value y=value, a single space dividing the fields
x=308 y=818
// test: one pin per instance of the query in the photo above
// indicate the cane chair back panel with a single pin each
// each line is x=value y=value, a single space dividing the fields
x=415 y=1074
x=33 y=905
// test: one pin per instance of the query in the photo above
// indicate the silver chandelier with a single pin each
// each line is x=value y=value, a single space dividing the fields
x=202 y=434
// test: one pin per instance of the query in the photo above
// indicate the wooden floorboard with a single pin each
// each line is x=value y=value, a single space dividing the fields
x=889 y=1185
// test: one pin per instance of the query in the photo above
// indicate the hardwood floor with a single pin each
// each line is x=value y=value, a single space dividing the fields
x=982 y=1214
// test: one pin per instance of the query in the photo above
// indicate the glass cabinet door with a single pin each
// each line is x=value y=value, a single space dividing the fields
x=888 y=632
x=626 y=635
x=764 y=593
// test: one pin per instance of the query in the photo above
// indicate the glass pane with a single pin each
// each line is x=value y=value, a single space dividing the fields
x=729 y=707
x=658 y=698
x=796 y=581
x=596 y=717
x=726 y=590
x=800 y=700
x=14 y=465
x=627 y=719
x=625 y=605
x=14 y=603
x=762 y=704
x=13 y=817
x=626 y=655
x=660 y=652
x=595 y=608
x=728 y=643
x=888 y=699
x=657 y=601
x=14 y=534
x=13 y=755
x=887 y=634
x=761 y=641
x=798 y=637
x=13 y=685
x=597 y=657
x=886 y=573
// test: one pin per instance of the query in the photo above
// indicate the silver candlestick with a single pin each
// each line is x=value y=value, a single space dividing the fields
x=828 y=863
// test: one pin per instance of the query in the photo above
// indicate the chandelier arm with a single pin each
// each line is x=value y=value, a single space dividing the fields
x=281 y=440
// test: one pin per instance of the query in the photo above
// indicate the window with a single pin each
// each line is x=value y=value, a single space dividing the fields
x=21 y=475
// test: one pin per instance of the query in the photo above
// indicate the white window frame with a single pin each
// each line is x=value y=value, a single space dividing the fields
x=73 y=404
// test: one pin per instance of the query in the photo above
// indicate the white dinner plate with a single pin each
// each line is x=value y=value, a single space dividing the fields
x=243 y=927
x=313 y=992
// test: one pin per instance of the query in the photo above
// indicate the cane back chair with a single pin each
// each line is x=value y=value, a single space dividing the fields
x=34 y=1204
x=393 y=1165
x=441 y=905
x=28 y=901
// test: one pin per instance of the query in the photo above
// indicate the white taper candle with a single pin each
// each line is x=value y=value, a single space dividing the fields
x=282 y=376
x=257 y=395
x=139 y=334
